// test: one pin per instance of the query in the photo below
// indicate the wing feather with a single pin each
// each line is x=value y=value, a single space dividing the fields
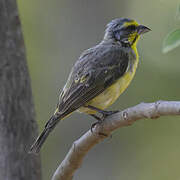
x=101 y=67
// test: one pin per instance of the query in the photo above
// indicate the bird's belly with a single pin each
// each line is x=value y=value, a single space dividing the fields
x=109 y=96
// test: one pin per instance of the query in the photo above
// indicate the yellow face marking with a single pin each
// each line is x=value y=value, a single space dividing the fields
x=133 y=35
x=131 y=23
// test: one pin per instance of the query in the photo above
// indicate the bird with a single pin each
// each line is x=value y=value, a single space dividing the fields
x=99 y=76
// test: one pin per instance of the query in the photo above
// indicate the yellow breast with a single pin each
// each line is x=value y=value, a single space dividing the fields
x=110 y=95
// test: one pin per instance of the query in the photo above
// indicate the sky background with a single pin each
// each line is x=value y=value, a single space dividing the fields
x=56 y=32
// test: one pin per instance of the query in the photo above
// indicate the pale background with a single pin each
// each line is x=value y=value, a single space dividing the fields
x=56 y=32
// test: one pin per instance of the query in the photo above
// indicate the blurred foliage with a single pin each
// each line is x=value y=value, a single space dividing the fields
x=172 y=40
x=55 y=33
x=178 y=12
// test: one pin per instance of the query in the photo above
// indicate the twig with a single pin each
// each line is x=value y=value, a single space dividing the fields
x=80 y=147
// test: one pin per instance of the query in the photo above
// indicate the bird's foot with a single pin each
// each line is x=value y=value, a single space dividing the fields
x=98 y=123
x=100 y=119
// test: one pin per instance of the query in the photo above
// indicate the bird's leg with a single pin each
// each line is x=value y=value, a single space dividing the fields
x=96 y=117
x=100 y=119
x=103 y=112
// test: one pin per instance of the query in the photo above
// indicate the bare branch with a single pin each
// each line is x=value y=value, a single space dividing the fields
x=126 y=117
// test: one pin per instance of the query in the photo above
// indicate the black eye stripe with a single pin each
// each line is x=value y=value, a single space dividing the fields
x=127 y=29
x=124 y=32
x=131 y=28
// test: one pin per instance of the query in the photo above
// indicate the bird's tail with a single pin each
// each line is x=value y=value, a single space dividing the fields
x=50 y=125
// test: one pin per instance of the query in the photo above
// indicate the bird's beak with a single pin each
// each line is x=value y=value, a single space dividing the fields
x=142 y=29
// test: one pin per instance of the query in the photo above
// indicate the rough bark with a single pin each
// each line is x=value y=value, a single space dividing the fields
x=17 y=120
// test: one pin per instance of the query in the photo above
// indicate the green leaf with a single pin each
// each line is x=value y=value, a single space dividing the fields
x=171 y=41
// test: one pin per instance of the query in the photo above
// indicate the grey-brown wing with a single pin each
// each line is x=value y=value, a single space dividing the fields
x=91 y=75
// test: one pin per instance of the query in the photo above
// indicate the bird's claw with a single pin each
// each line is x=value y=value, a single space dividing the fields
x=100 y=133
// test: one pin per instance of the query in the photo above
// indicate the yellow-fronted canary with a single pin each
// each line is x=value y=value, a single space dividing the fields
x=99 y=76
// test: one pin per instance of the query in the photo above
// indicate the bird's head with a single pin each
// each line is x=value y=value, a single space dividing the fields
x=125 y=31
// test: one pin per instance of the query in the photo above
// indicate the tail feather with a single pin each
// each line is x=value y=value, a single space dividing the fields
x=50 y=125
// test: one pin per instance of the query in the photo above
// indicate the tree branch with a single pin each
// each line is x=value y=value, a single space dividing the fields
x=126 y=117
